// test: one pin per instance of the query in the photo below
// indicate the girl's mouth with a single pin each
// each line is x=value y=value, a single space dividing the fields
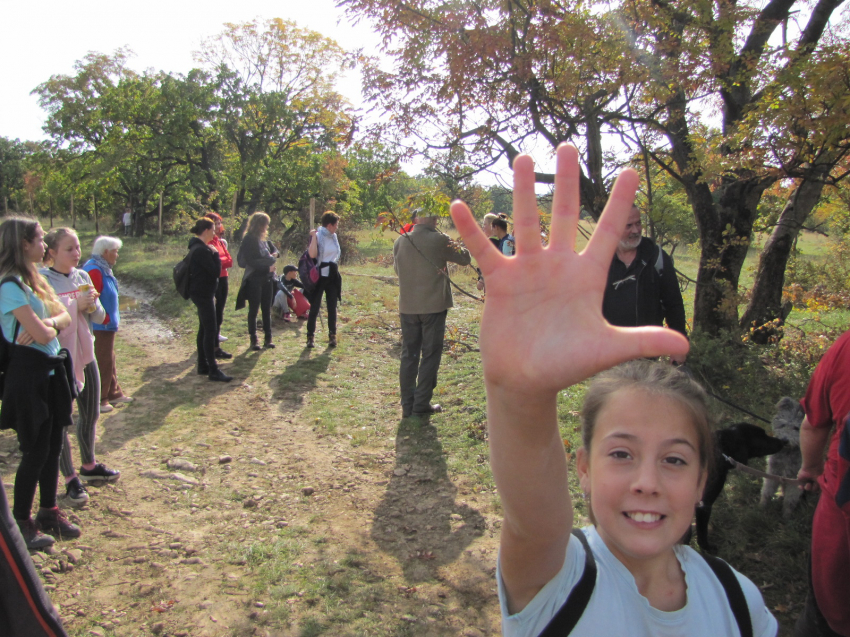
x=644 y=518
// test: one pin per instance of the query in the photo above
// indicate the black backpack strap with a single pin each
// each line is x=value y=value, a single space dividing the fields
x=734 y=593
x=567 y=617
x=13 y=279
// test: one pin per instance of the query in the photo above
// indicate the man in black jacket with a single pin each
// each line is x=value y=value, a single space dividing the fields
x=642 y=287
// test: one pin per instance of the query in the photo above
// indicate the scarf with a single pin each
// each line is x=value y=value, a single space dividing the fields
x=103 y=264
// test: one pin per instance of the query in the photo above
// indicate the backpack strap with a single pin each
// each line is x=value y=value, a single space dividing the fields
x=13 y=279
x=659 y=261
x=567 y=617
x=734 y=593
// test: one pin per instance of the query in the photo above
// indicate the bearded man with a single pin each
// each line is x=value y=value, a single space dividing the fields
x=642 y=287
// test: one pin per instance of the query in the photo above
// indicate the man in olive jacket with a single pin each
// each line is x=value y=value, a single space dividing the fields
x=425 y=295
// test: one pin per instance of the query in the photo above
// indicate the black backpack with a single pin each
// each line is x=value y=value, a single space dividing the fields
x=567 y=617
x=6 y=348
x=181 y=275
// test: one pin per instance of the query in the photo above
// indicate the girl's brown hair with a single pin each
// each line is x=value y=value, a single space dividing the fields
x=202 y=225
x=13 y=232
x=53 y=238
x=657 y=379
x=258 y=225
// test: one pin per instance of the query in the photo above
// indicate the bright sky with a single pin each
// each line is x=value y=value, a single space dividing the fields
x=46 y=38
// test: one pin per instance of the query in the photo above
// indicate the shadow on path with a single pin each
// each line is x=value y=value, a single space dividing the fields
x=418 y=521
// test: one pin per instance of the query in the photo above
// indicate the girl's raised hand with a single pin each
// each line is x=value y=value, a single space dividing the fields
x=542 y=328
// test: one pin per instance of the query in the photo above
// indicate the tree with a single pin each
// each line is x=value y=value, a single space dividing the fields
x=12 y=154
x=620 y=80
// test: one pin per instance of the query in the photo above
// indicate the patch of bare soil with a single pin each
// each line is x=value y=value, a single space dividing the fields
x=162 y=549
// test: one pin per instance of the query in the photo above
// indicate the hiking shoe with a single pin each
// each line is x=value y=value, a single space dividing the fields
x=34 y=538
x=105 y=409
x=57 y=523
x=310 y=342
x=431 y=409
x=76 y=493
x=220 y=353
x=268 y=345
x=220 y=376
x=99 y=472
x=332 y=340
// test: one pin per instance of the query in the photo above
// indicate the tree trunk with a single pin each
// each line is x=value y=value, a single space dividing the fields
x=766 y=302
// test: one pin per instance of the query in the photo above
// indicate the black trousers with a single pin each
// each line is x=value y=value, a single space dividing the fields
x=207 y=339
x=220 y=300
x=327 y=285
x=421 y=352
x=260 y=298
x=40 y=465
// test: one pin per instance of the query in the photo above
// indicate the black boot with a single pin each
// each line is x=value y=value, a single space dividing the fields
x=267 y=342
x=220 y=353
x=255 y=346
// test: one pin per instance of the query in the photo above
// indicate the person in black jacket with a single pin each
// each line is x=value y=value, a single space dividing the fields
x=258 y=256
x=642 y=287
x=204 y=268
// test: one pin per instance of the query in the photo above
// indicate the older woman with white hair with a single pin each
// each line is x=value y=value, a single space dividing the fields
x=99 y=267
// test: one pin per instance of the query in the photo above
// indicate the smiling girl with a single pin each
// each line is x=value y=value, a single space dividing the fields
x=646 y=440
x=77 y=294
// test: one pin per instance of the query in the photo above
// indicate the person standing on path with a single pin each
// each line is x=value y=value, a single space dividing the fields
x=128 y=222
x=76 y=292
x=204 y=269
x=827 y=407
x=38 y=388
x=99 y=267
x=219 y=243
x=324 y=247
x=258 y=256
x=425 y=295
x=642 y=287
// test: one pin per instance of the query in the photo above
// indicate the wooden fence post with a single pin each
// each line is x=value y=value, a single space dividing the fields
x=160 y=215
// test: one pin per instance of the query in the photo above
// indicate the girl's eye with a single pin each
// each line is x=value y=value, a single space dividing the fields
x=675 y=460
x=620 y=454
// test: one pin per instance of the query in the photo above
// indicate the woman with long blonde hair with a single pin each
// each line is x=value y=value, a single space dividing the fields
x=258 y=256
x=39 y=387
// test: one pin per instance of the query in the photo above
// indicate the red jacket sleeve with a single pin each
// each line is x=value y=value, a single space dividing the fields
x=96 y=280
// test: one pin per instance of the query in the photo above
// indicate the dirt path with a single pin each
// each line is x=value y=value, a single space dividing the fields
x=252 y=521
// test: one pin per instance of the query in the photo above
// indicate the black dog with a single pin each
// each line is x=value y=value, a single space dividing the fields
x=740 y=442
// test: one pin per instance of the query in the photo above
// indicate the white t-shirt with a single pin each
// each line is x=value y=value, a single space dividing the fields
x=328 y=247
x=617 y=608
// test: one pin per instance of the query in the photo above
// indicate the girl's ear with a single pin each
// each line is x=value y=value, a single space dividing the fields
x=583 y=469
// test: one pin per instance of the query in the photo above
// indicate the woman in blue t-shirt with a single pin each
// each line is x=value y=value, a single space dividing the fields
x=37 y=392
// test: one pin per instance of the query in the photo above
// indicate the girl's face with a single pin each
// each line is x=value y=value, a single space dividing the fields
x=67 y=254
x=642 y=474
x=332 y=227
x=207 y=235
x=487 y=227
x=219 y=228
x=34 y=250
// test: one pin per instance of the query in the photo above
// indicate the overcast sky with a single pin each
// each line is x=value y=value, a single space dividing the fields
x=41 y=38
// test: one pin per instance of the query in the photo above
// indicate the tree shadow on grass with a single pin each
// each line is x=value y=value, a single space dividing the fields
x=166 y=388
x=418 y=521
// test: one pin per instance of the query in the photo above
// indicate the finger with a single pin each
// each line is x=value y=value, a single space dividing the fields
x=476 y=241
x=526 y=217
x=629 y=343
x=609 y=230
x=565 y=204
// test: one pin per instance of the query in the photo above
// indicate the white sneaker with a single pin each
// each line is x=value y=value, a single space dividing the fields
x=221 y=338
x=105 y=409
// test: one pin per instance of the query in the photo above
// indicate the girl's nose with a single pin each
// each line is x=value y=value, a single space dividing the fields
x=646 y=479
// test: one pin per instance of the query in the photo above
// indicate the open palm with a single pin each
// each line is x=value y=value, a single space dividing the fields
x=543 y=328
